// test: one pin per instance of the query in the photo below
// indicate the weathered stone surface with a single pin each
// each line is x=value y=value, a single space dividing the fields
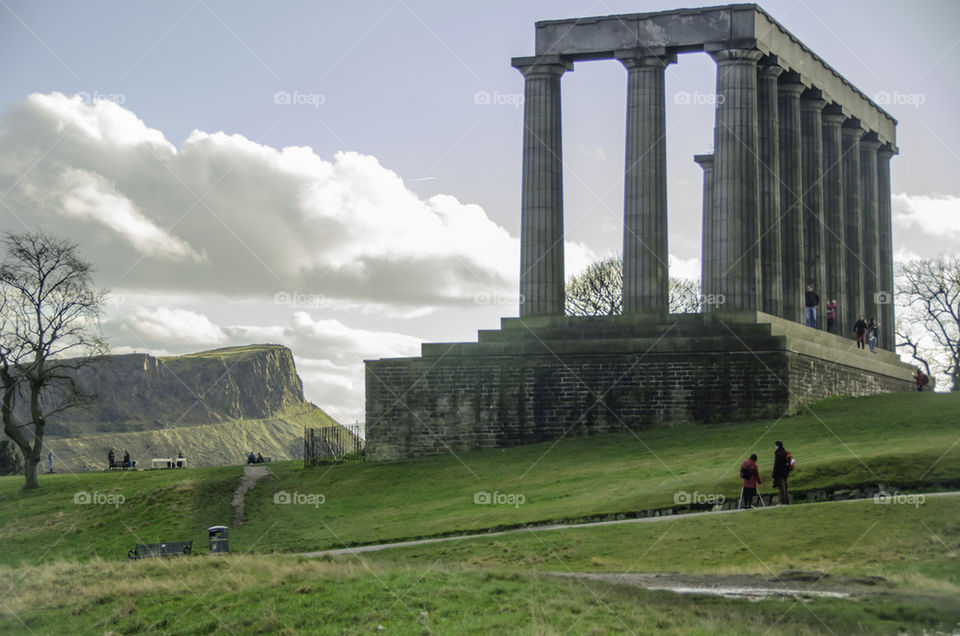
x=541 y=213
x=531 y=382
x=791 y=199
x=886 y=337
x=645 y=255
x=710 y=29
x=835 y=284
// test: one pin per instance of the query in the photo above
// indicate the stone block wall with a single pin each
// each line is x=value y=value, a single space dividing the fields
x=475 y=396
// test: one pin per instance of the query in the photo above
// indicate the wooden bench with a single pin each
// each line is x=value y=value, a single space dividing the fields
x=172 y=548
x=122 y=465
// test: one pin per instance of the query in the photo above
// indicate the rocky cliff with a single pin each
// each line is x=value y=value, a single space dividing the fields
x=139 y=392
x=214 y=406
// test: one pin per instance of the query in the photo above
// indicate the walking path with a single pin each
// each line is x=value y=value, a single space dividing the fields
x=548 y=528
x=251 y=475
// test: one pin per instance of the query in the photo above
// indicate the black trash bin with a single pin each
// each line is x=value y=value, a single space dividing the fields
x=218 y=539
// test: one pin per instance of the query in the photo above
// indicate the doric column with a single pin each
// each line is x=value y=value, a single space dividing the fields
x=852 y=223
x=735 y=190
x=771 y=262
x=791 y=191
x=868 y=218
x=885 y=251
x=541 y=210
x=708 y=261
x=811 y=142
x=833 y=215
x=646 y=285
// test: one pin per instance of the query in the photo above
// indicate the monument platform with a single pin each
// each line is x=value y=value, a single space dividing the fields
x=542 y=378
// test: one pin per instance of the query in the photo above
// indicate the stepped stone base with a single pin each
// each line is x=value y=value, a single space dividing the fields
x=543 y=378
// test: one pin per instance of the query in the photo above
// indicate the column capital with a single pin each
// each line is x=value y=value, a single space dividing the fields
x=705 y=161
x=852 y=128
x=833 y=115
x=555 y=65
x=769 y=71
x=736 y=56
x=789 y=84
x=886 y=151
x=869 y=142
x=812 y=99
x=655 y=57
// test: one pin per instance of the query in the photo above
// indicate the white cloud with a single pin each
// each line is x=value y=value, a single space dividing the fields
x=937 y=215
x=227 y=215
x=90 y=196
x=162 y=327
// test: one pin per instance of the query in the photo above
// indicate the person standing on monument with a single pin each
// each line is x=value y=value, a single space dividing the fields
x=860 y=331
x=811 y=302
x=750 y=474
x=832 y=316
x=781 y=471
x=872 y=329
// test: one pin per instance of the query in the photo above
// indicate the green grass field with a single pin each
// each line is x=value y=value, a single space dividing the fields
x=503 y=583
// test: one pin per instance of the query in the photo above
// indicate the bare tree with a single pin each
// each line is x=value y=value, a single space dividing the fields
x=598 y=291
x=49 y=330
x=929 y=324
x=685 y=297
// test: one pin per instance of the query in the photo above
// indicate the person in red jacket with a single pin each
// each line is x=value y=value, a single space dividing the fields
x=750 y=475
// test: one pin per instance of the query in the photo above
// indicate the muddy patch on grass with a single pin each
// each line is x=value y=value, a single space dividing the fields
x=789 y=584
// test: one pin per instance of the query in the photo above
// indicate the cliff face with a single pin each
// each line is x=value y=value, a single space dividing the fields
x=138 y=392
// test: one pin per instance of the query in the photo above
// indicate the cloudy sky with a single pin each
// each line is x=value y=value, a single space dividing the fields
x=344 y=178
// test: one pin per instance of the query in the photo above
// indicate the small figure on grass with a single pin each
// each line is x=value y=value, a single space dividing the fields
x=750 y=474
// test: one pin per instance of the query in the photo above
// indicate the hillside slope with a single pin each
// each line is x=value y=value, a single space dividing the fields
x=214 y=406
x=138 y=392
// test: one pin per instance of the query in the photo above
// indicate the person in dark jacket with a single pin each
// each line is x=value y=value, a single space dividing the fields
x=811 y=300
x=781 y=470
x=749 y=467
x=860 y=331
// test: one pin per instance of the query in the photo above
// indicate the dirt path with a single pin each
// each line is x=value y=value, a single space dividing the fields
x=788 y=584
x=251 y=474
x=547 y=528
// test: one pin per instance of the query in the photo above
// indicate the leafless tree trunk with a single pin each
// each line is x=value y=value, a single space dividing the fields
x=929 y=326
x=49 y=330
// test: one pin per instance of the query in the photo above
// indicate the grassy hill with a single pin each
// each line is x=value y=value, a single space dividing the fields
x=504 y=582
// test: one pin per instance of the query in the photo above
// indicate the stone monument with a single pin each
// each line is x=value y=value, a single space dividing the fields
x=797 y=191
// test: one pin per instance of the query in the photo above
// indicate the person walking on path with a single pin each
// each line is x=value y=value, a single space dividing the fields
x=860 y=331
x=781 y=471
x=811 y=300
x=872 y=330
x=750 y=474
x=832 y=316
